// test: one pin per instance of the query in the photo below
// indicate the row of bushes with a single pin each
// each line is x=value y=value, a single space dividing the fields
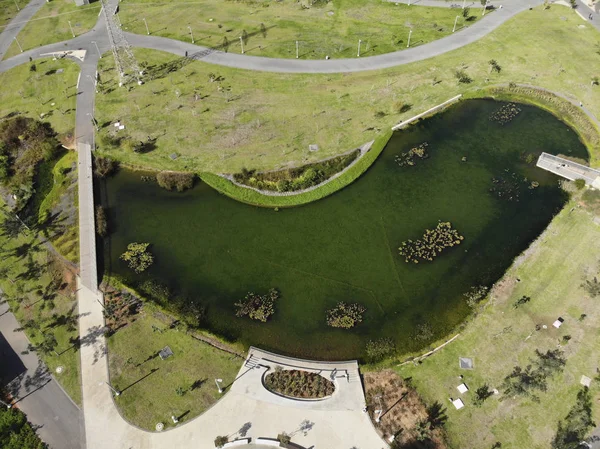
x=294 y=179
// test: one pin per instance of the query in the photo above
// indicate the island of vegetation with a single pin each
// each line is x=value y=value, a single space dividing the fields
x=299 y=384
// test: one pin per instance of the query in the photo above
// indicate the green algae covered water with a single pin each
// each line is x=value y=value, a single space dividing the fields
x=478 y=176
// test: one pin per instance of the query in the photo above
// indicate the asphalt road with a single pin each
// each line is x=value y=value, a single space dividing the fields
x=58 y=420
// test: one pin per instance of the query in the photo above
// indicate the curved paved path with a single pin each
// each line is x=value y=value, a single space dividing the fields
x=14 y=27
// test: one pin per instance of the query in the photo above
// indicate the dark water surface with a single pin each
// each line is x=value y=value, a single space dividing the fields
x=344 y=248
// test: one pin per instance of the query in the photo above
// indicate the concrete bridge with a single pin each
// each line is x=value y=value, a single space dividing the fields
x=568 y=169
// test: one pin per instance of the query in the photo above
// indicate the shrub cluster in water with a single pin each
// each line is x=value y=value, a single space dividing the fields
x=175 y=181
x=299 y=384
x=509 y=186
x=345 y=315
x=293 y=179
x=409 y=158
x=505 y=114
x=258 y=307
x=433 y=242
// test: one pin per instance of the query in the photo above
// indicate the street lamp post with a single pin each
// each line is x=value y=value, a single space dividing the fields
x=464 y=4
x=358 y=53
x=191 y=34
x=97 y=49
x=71 y=28
x=20 y=48
x=17 y=5
x=296 y=49
x=484 y=7
x=7 y=405
x=147 y=30
x=409 y=34
x=455 y=20
x=242 y=43
x=218 y=382
x=116 y=392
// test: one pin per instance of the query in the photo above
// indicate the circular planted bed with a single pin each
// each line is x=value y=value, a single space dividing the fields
x=299 y=384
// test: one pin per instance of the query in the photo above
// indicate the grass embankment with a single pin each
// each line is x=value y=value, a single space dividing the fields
x=41 y=294
x=502 y=336
x=272 y=28
x=267 y=121
x=253 y=197
x=51 y=24
x=43 y=91
x=61 y=200
x=153 y=390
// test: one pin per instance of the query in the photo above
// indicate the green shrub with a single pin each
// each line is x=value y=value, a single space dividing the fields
x=175 y=180
x=221 y=441
x=299 y=384
x=462 y=77
x=16 y=432
x=104 y=166
x=579 y=183
x=345 y=316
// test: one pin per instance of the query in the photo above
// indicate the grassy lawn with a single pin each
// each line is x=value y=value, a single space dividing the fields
x=267 y=121
x=41 y=92
x=30 y=276
x=150 y=385
x=272 y=28
x=51 y=24
x=550 y=272
x=61 y=203
x=8 y=11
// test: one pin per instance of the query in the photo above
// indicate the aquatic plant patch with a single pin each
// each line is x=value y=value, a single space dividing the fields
x=509 y=187
x=411 y=156
x=345 y=316
x=506 y=113
x=299 y=384
x=258 y=307
x=433 y=242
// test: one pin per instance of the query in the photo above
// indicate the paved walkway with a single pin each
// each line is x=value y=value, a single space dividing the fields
x=35 y=391
x=568 y=169
x=14 y=27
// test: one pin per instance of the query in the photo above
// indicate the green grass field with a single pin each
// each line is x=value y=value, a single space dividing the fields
x=51 y=24
x=501 y=337
x=267 y=121
x=27 y=269
x=8 y=11
x=193 y=368
x=41 y=92
x=272 y=28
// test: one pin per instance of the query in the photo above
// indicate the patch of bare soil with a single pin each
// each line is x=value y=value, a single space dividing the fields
x=404 y=416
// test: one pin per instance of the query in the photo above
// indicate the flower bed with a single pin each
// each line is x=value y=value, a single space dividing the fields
x=299 y=384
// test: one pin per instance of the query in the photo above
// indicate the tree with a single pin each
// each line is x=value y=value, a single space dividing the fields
x=16 y=432
x=284 y=438
x=577 y=423
x=523 y=382
x=592 y=287
x=495 y=67
x=175 y=181
x=466 y=12
x=481 y=394
x=138 y=257
x=522 y=300
x=579 y=183
x=462 y=77
x=549 y=363
x=104 y=166
x=423 y=430
x=48 y=344
x=221 y=441
x=11 y=226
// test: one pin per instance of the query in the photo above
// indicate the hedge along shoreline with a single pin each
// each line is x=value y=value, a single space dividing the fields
x=253 y=197
x=559 y=106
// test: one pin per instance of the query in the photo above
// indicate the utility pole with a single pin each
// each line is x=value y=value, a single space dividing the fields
x=116 y=392
x=358 y=54
x=97 y=49
x=242 y=43
x=147 y=30
x=71 y=28
x=455 y=20
x=20 y=48
x=191 y=34
x=296 y=49
x=409 y=33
